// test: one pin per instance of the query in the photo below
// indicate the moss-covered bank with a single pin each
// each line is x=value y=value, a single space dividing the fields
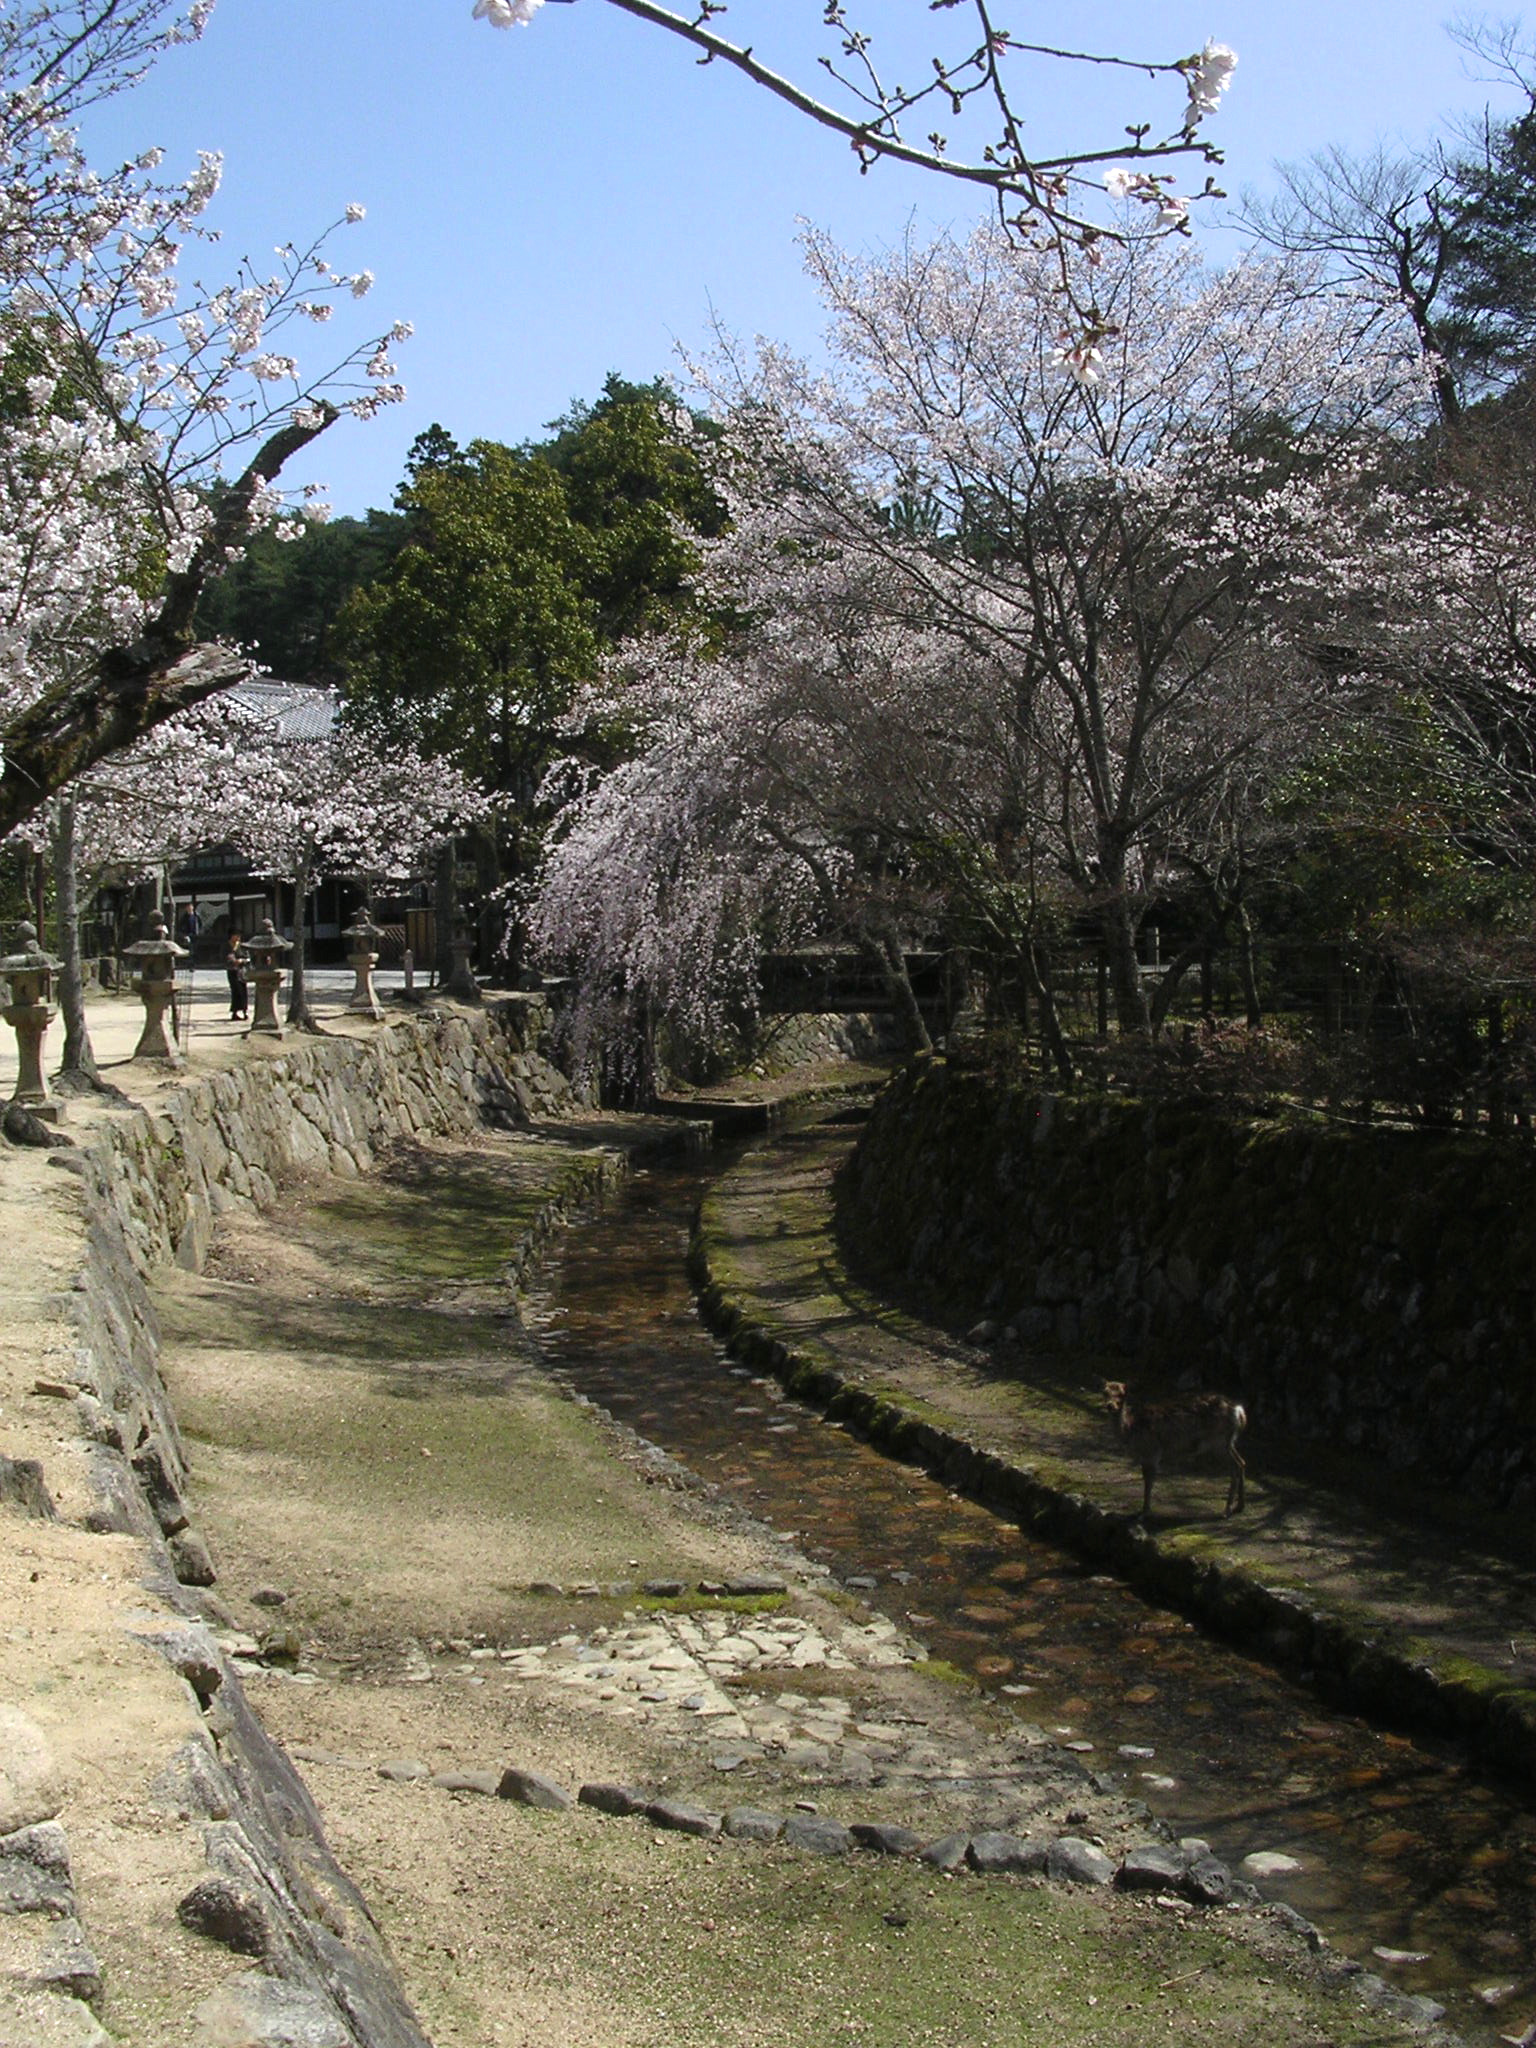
x=1371 y=1287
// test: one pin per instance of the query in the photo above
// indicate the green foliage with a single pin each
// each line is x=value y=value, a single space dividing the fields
x=1392 y=835
x=630 y=476
x=283 y=598
x=522 y=565
x=1490 y=274
x=473 y=641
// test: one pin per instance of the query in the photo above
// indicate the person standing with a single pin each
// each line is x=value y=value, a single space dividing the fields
x=235 y=963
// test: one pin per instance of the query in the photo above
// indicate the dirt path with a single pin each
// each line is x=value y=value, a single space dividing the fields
x=461 y=1551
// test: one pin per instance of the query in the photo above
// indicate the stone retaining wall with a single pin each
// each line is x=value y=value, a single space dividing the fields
x=1371 y=1287
x=154 y=1183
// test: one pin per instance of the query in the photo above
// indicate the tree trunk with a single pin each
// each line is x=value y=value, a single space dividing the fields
x=1172 y=975
x=1051 y=1034
x=445 y=908
x=1248 y=967
x=488 y=878
x=79 y=1058
x=300 y=1015
x=885 y=949
x=1119 y=927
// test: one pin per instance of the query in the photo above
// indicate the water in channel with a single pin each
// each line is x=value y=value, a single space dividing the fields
x=1401 y=1845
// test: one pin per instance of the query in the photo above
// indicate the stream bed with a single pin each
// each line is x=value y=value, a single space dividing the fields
x=1399 y=1845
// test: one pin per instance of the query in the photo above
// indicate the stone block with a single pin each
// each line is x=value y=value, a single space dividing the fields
x=1070 y=1860
x=31 y=1783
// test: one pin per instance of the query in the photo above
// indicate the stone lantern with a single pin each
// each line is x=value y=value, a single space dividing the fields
x=364 y=937
x=267 y=949
x=155 y=958
x=30 y=971
x=462 y=985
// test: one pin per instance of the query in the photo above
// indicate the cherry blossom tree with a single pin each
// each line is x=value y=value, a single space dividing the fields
x=321 y=796
x=666 y=878
x=139 y=814
x=144 y=416
x=1029 y=617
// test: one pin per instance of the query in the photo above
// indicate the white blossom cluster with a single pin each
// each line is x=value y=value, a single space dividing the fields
x=127 y=387
x=1207 y=77
x=1035 y=639
x=507 y=13
x=301 y=804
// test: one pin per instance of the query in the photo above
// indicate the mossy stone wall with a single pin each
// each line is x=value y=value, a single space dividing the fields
x=1374 y=1287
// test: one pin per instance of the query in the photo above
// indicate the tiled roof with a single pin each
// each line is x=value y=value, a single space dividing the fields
x=300 y=711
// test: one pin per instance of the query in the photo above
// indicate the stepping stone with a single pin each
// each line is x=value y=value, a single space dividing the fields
x=527 y=1788
x=663 y=1589
x=1269 y=1863
x=947 y=1853
x=822 y=1728
x=884 y=1838
x=806 y=1756
x=755 y=1586
x=1208 y=1882
x=748 y=1824
x=485 y=1783
x=617 y=1799
x=994 y=1851
x=32 y=1786
x=258 y=2008
x=228 y=1913
x=67 y=1964
x=34 y=1871
x=1070 y=1860
x=818 y=1833
x=684 y=1819
x=1151 y=1868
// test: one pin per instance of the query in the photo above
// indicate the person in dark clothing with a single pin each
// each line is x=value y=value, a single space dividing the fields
x=235 y=961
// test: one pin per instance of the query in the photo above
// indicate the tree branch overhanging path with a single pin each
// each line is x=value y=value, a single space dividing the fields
x=1034 y=193
x=129 y=690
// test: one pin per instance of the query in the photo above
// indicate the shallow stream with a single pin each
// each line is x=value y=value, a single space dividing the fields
x=1399 y=1845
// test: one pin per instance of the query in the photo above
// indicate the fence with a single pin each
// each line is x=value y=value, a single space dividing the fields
x=1366 y=1034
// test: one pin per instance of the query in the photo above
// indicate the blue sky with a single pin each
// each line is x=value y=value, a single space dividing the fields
x=550 y=203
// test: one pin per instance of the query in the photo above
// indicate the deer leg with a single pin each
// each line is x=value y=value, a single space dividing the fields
x=1148 y=1474
x=1235 y=1483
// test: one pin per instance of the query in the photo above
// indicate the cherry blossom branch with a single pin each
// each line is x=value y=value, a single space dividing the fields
x=128 y=690
x=1006 y=169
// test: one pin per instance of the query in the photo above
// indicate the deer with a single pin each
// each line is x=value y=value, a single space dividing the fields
x=1178 y=1427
